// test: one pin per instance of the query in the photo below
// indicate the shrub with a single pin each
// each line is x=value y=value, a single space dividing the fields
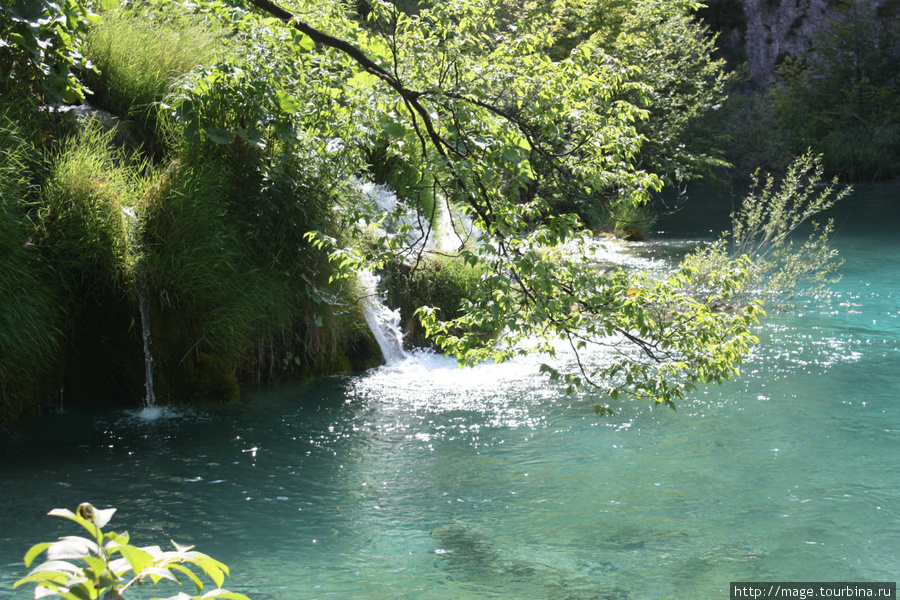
x=106 y=565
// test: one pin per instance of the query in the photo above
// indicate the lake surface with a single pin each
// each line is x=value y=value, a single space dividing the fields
x=423 y=481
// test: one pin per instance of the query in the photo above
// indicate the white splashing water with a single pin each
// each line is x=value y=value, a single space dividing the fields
x=143 y=307
x=446 y=233
x=384 y=322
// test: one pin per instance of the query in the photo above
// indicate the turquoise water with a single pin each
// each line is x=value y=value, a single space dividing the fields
x=423 y=481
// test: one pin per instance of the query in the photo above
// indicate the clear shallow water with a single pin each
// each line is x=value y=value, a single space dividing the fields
x=424 y=481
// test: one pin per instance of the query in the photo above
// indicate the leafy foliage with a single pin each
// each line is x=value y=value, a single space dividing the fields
x=105 y=565
x=40 y=48
x=765 y=227
x=662 y=336
x=532 y=119
x=525 y=144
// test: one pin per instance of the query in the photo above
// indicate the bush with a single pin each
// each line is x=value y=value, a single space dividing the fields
x=105 y=565
x=41 y=50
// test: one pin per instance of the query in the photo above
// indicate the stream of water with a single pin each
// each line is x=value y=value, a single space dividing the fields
x=421 y=481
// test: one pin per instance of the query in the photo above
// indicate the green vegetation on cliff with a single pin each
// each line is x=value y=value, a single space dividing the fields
x=839 y=97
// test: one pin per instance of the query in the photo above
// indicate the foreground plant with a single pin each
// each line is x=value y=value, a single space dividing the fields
x=111 y=566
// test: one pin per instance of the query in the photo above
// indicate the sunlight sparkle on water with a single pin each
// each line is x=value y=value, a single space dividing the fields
x=425 y=481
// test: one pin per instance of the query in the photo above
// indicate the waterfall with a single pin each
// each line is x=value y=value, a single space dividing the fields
x=143 y=305
x=447 y=233
x=441 y=235
x=149 y=397
x=384 y=322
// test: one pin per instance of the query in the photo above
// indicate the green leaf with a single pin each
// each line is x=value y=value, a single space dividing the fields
x=213 y=568
x=59 y=566
x=157 y=573
x=27 y=42
x=303 y=42
x=180 y=547
x=511 y=155
x=198 y=583
x=96 y=564
x=57 y=577
x=394 y=129
x=219 y=136
x=68 y=514
x=137 y=558
x=34 y=551
x=224 y=595
x=116 y=539
x=287 y=103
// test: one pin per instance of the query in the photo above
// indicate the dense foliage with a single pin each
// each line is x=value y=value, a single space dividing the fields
x=40 y=49
x=533 y=120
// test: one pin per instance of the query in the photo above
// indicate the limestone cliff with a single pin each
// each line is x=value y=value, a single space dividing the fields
x=762 y=32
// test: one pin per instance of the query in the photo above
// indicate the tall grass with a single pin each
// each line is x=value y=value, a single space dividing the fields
x=30 y=305
x=628 y=221
x=83 y=213
x=140 y=53
x=234 y=276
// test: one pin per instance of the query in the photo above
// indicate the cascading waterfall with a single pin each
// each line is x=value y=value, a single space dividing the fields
x=441 y=235
x=384 y=322
x=447 y=233
x=143 y=306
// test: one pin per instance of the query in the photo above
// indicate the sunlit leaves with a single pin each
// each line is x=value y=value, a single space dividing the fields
x=659 y=337
x=101 y=576
x=43 y=52
x=765 y=229
x=526 y=144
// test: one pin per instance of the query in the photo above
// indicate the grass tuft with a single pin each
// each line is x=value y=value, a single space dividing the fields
x=30 y=305
x=83 y=212
x=141 y=53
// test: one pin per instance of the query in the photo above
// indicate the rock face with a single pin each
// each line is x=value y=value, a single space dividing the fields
x=769 y=30
x=778 y=28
